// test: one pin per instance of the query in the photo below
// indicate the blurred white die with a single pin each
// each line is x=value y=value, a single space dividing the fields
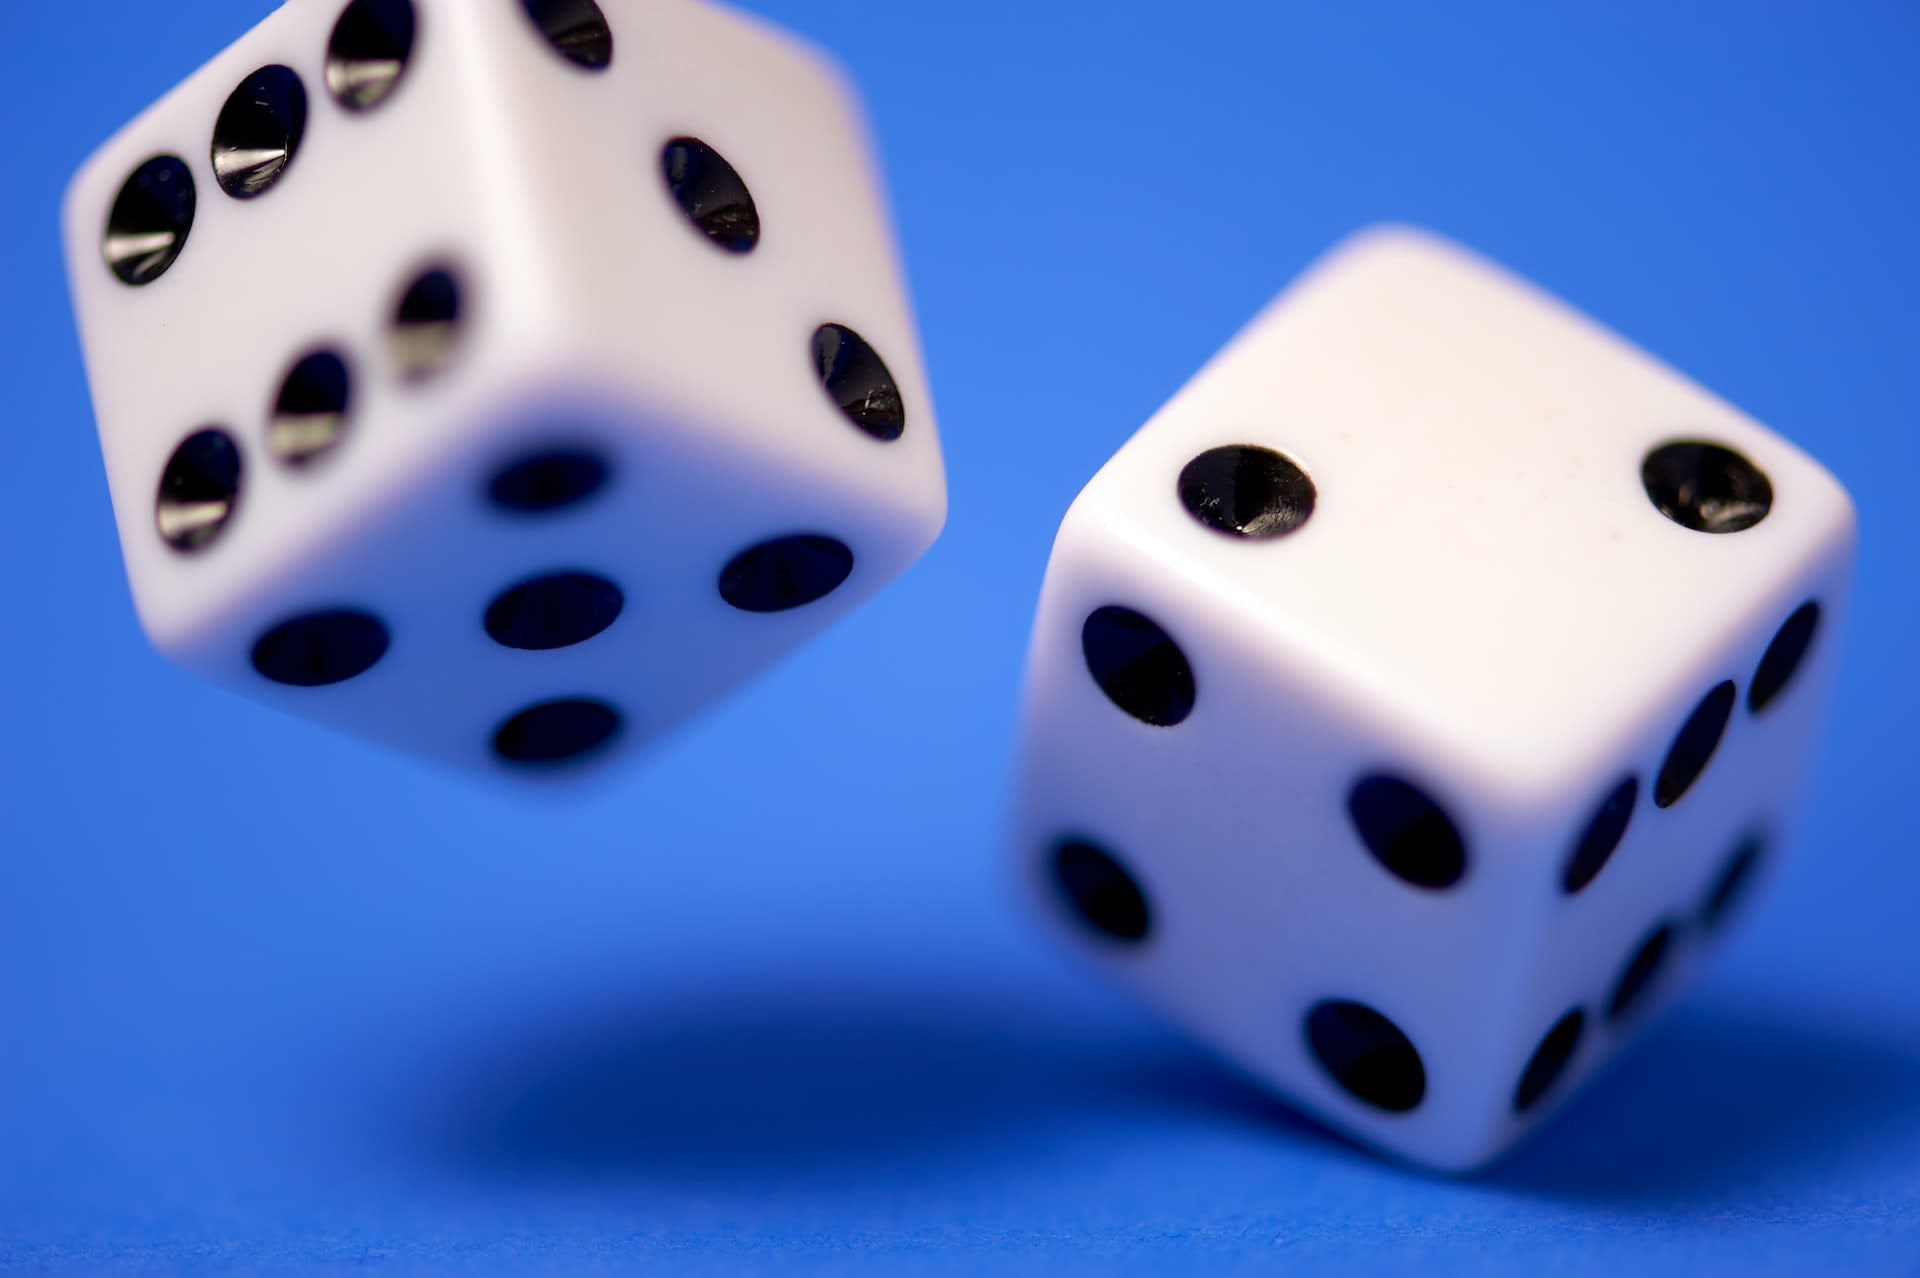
x=501 y=380
x=1412 y=697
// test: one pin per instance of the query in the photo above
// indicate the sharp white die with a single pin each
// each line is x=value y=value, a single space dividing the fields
x=1414 y=696
x=502 y=379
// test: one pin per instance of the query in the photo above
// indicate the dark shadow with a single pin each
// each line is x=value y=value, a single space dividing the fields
x=750 y=1088
x=745 y=1087
x=1715 y=1107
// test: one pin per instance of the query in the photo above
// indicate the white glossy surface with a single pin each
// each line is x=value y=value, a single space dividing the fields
x=594 y=311
x=1484 y=601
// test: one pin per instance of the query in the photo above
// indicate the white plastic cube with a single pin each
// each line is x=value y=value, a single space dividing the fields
x=501 y=380
x=1417 y=693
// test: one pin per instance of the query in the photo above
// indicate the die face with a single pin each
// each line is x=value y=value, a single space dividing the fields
x=737 y=217
x=343 y=423
x=317 y=261
x=618 y=599
x=1629 y=939
x=1261 y=903
x=1250 y=899
x=1394 y=916
x=1483 y=556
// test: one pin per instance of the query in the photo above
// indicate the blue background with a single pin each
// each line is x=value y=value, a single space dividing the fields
x=270 y=998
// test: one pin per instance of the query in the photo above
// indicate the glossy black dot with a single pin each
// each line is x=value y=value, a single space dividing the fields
x=259 y=132
x=555 y=732
x=1693 y=748
x=546 y=481
x=311 y=412
x=321 y=648
x=711 y=193
x=1366 y=1054
x=1636 y=978
x=199 y=490
x=150 y=220
x=1549 y=1060
x=1602 y=835
x=1407 y=831
x=557 y=610
x=858 y=382
x=1138 y=665
x=576 y=29
x=1097 y=889
x=786 y=572
x=1784 y=657
x=425 y=329
x=1733 y=880
x=1247 y=491
x=1706 y=487
x=369 y=51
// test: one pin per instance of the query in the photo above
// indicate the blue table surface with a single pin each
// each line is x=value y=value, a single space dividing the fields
x=273 y=1000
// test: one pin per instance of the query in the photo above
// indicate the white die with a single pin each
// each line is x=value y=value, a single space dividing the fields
x=1343 y=665
x=503 y=380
